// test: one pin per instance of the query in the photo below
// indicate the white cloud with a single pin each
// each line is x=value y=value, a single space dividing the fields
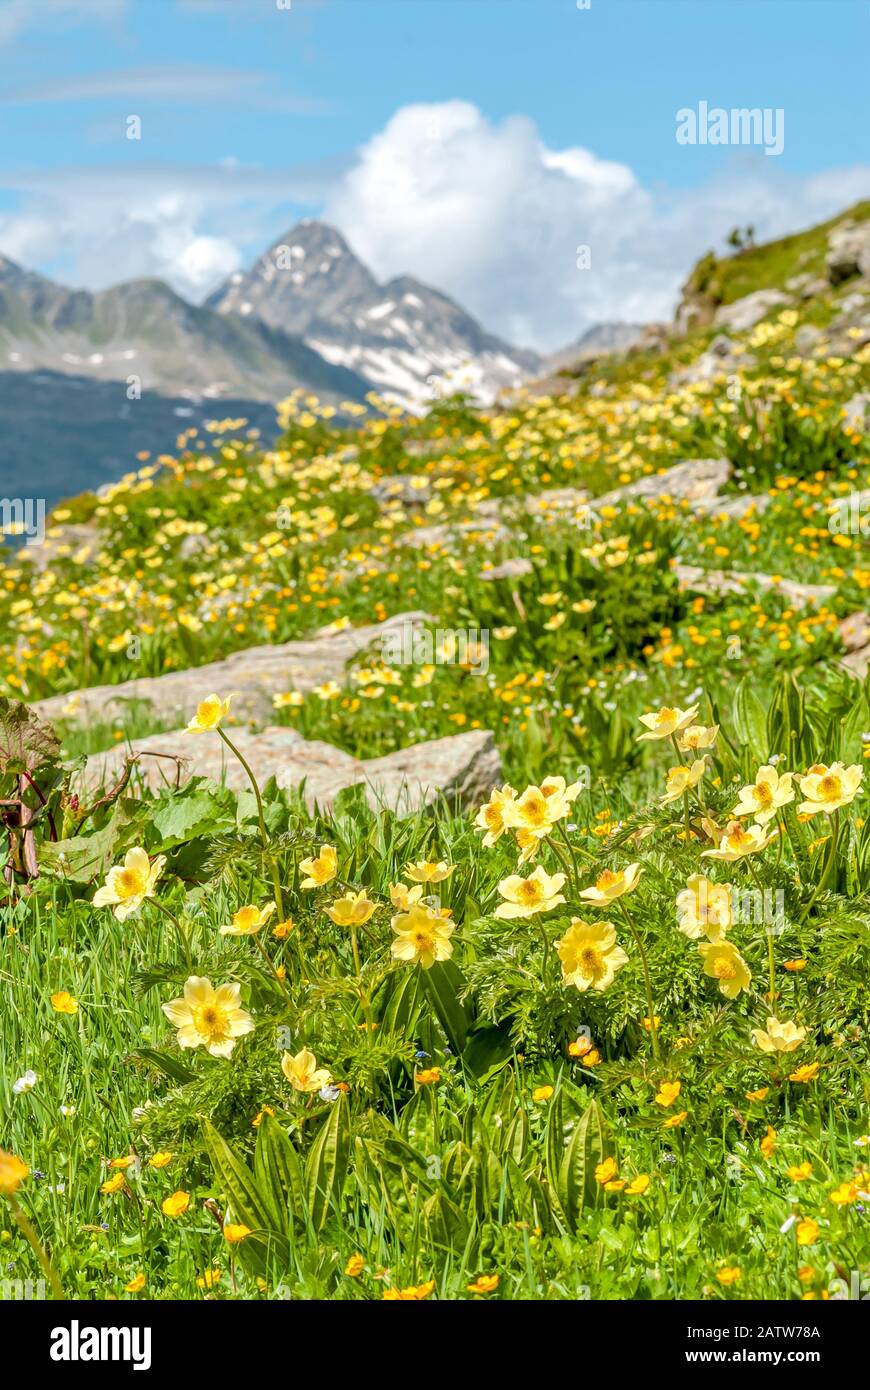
x=492 y=216
x=17 y=16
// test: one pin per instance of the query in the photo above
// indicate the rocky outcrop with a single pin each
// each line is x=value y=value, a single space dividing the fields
x=745 y=313
x=693 y=481
x=462 y=768
x=848 y=251
x=253 y=675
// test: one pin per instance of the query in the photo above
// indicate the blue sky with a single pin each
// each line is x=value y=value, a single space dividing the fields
x=463 y=141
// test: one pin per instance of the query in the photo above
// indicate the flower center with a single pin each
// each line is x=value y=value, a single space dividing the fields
x=209 y=1021
x=130 y=882
x=724 y=970
x=590 y=962
x=830 y=787
x=530 y=891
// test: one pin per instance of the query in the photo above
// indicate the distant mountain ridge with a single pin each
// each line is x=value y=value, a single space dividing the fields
x=137 y=362
x=408 y=339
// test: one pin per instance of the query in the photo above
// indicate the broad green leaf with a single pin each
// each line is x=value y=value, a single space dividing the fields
x=327 y=1164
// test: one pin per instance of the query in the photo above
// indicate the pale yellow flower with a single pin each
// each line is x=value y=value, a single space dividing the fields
x=612 y=884
x=352 y=910
x=208 y=1017
x=704 y=908
x=422 y=935
x=536 y=810
x=590 y=955
x=828 y=788
x=490 y=817
x=779 y=1037
x=248 y=920
x=129 y=884
x=426 y=871
x=723 y=962
x=696 y=737
x=320 y=870
x=524 y=897
x=738 y=841
x=763 y=798
x=209 y=714
x=664 y=722
x=402 y=897
x=303 y=1072
x=681 y=779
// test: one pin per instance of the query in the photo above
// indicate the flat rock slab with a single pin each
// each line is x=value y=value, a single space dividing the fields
x=692 y=480
x=254 y=675
x=463 y=768
x=731 y=582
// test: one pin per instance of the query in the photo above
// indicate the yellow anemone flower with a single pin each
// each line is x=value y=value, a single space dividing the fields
x=320 y=870
x=490 y=817
x=763 y=798
x=209 y=713
x=402 y=897
x=704 y=908
x=303 y=1072
x=422 y=935
x=666 y=721
x=208 y=1017
x=129 y=884
x=723 y=962
x=536 y=811
x=427 y=872
x=248 y=920
x=697 y=736
x=352 y=910
x=524 y=897
x=738 y=841
x=590 y=955
x=780 y=1037
x=828 y=788
x=681 y=779
x=612 y=884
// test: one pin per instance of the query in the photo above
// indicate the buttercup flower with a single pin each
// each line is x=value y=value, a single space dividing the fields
x=590 y=955
x=176 y=1205
x=425 y=872
x=235 y=1232
x=64 y=1003
x=421 y=936
x=723 y=962
x=738 y=841
x=248 y=920
x=129 y=884
x=352 y=910
x=208 y=1017
x=806 y=1073
x=524 y=897
x=763 y=798
x=12 y=1173
x=209 y=714
x=704 y=908
x=807 y=1231
x=320 y=870
x=667 y=1093
x=768 y=1143
x=485 y=1283
x=828 y=788
x=355 y=1266
x=666 y=721
x=611 y=885
x=303 y=1072
x=779 y=1037
x=638 y=1186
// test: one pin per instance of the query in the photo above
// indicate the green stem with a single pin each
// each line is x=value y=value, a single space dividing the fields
x=273 y=867
x=771 y=958
x=272 y=971
x=647 y=982
x=32 y=1239
x=182 y=935
x=363 y=997
x=826 y=872
x=569 y=872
